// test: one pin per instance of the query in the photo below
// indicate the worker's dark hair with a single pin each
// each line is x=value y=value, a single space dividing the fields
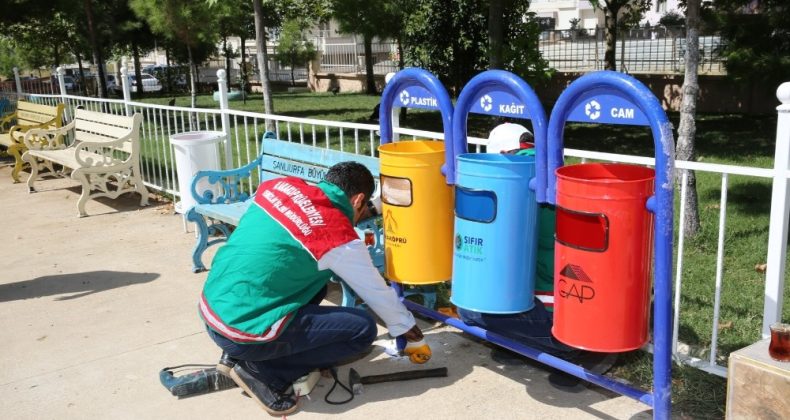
x=351 y=177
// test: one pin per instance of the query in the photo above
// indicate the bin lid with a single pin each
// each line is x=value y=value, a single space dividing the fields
x=193 y=137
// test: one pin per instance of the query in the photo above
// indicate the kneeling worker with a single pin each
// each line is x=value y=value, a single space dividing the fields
x=261 y=299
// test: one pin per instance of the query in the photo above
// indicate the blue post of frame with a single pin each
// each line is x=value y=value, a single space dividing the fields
x=608 y=97
x=418 y=88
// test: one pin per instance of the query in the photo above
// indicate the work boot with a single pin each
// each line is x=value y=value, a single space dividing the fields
x=275 y=403
x=561 y=380
x=226 y=364
x=598 y=363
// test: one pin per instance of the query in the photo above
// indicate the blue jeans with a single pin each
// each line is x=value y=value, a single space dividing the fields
x=531 y=328
x=317 y=337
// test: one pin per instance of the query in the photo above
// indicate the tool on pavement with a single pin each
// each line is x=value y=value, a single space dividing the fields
x=201 y=381
x=356 y=381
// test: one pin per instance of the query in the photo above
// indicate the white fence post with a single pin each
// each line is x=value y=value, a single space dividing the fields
x=125 y=88
x=62 y=86
x=780 y=209
x=222 y=84
x=18 y=82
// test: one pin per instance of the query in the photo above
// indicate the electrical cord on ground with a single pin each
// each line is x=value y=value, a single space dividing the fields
x=333 y=372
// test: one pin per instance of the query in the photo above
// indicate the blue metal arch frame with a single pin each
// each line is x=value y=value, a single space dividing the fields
x=422 y=78
x=501 y=80
x=661 y=204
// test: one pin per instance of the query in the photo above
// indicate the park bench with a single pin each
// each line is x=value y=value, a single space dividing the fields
x=26 y=117
x=103 y=155
x=222 y=200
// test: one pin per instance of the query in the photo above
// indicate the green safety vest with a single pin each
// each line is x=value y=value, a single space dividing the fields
x=268 y=269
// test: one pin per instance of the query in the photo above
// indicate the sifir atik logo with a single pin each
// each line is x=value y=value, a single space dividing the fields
x=469 y=244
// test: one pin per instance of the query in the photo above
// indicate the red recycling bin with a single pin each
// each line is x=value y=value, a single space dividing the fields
x=604 y=245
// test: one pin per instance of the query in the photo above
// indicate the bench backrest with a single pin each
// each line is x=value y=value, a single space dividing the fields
x=28 y=113
x=283 y=158
x=100 y=127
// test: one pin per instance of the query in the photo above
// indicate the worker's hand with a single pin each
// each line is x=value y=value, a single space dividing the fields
x=418 y=351
x=414 y=334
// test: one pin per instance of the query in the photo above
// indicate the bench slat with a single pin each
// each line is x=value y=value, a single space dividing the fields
x=32 y=118
x=287 y=167
x=90 y=137
x=228 y=213
x=105 y=119
x=30 y=107
x=316 y=155
x=109 y=131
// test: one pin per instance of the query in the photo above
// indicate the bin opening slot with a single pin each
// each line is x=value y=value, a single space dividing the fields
x=582 y=230
x=396 y=191
x=475 y=205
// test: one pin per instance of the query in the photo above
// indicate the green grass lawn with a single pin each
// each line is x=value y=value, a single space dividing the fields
x=727 y=139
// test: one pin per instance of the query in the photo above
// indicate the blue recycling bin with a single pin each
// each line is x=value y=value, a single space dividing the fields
x=495 y=248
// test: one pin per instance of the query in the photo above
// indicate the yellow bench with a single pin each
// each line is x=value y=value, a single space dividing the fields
x=27 y=116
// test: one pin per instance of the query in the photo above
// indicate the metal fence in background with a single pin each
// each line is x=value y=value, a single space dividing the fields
x=657 y=50
x=350 y=57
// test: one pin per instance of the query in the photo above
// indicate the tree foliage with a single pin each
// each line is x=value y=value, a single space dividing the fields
x=8 y=58
x=757 y=39
x=619 y=14
x=370 y=19
x=521 y=54
x=293 y=49
x=451 y=38
x=448 y=38
x=191 y=23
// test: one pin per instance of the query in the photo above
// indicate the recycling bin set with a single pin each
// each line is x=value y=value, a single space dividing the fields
x=592 y=227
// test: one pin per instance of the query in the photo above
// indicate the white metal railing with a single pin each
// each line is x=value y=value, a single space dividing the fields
x=244 y=129
x=350 y=57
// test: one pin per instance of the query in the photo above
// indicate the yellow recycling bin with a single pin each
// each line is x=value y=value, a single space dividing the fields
x=417 y=205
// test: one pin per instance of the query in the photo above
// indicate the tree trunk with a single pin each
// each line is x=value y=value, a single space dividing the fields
x=263 y=59
x=688 y=111
x=138 y=74
x=192 y=75
x=227 y=58
x=95 y=49
x=609 y=58
x=293 y=64
x=496 y=9
x=370 y=81
x=243 y=70
x=82 y=89
x=56 y=54
x=168 y=72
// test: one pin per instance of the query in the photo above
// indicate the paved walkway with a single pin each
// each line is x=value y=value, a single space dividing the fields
x=92 y=308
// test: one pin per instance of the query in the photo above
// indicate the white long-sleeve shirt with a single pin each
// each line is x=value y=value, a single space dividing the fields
x=351 y=262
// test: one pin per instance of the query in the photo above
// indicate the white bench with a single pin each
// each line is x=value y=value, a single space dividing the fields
x=104 y=155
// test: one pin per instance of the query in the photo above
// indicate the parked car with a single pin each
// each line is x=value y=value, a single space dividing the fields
x=70 y=82
x=112 y=86
x=150 y=84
